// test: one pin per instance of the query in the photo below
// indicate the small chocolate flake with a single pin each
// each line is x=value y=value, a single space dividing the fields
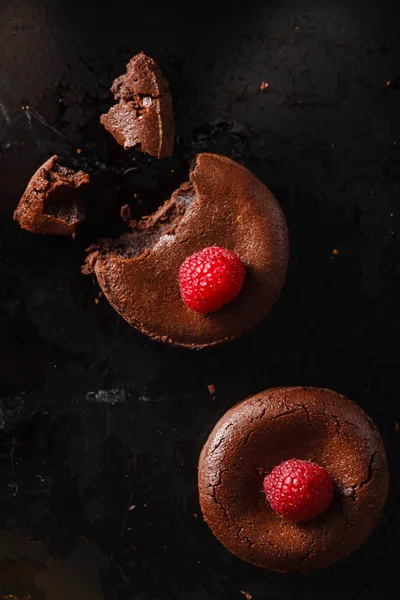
x=126 y=214
x=147 y=101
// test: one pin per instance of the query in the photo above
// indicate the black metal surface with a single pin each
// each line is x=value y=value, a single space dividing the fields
x=101 y=428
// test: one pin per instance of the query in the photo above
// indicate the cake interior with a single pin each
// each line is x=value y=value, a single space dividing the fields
x=60 y=201
x=149 y=230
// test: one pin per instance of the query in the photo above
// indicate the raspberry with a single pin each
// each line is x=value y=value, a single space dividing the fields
x=298 y=490
x=211 y=278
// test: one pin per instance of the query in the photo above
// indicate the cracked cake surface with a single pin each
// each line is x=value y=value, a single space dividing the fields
x=223 y=204
x=143 y=116
x=280 y=424
x=51 y=204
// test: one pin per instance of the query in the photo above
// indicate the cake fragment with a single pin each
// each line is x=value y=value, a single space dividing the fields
x=51 y=203
x=143 y=116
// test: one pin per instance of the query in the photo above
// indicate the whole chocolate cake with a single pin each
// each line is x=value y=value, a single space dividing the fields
x=272 y=427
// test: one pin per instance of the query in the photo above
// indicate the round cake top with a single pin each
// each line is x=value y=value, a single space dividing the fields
x=261 y=432
x=223 y=205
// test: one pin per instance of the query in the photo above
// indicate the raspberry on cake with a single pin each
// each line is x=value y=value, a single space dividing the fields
x=211 y=278
x=298 y=490
x=315 y=509
x=223 y=206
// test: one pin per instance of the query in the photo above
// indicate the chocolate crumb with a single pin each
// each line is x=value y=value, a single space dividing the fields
x=246 y=595
x=264 y=85
x=211 y=389
x=126 y=213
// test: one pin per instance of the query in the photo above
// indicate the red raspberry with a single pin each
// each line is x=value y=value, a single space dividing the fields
x=298 y=490
x=211 y=278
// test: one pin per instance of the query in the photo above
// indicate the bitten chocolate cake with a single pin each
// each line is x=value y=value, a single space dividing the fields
x=143 y=117
x=262 y=435
x=223 y=205
x=51 y=203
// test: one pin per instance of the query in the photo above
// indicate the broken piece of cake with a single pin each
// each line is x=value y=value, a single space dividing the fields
x=223 y=209
x=51 y=204
x=143 y=118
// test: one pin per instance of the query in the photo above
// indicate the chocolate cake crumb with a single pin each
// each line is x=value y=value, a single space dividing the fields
x=143 y=118
x=126 y=213
x=51 y=204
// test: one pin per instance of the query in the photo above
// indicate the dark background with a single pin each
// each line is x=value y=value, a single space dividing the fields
x=100 y=427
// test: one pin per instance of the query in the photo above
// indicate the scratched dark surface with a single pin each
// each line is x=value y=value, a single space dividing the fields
x=101 y=428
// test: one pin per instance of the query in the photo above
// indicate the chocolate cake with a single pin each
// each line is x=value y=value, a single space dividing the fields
x=258 y=434
x=223 y=204
x=143 y=117
x=51 y=203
